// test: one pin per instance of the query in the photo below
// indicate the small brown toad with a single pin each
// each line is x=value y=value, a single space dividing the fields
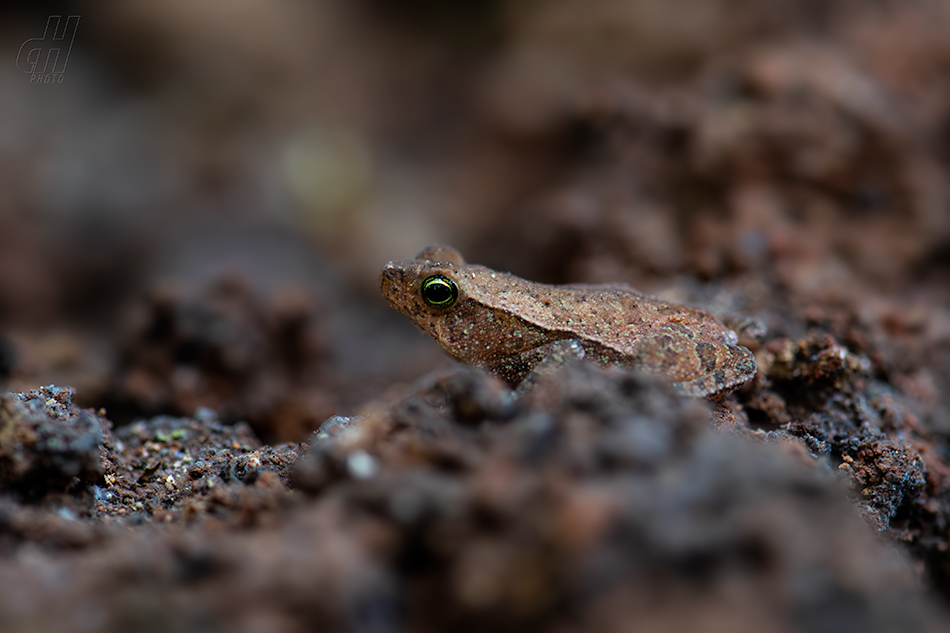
x=512 y=327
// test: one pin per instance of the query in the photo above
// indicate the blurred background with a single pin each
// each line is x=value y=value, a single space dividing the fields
x=195 y=207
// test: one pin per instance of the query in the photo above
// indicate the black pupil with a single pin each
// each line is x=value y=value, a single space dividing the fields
x=438 y=290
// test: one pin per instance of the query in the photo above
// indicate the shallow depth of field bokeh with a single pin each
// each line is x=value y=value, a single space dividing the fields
x=194 y=214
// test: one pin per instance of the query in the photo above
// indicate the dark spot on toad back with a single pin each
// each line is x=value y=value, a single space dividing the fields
x=720 y=378
x=707 y=356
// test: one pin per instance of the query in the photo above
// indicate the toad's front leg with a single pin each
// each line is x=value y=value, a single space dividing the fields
x=524 y=369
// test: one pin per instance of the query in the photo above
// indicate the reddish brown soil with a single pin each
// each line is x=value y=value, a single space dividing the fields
x=192 y=223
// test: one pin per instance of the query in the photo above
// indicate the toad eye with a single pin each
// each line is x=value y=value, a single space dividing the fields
x=439 y=291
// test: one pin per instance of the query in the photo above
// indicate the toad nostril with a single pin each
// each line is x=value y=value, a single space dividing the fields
x=391 y=274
